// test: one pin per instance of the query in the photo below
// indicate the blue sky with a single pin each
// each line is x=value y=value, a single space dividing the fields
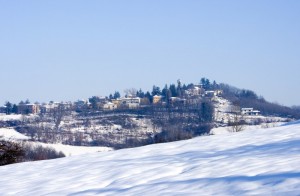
x=69 y=50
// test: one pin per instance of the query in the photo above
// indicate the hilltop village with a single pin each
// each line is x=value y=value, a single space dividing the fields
x=138 y=118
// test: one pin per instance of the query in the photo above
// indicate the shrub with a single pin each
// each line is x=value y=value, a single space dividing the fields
x=39 y=152
x=10 y=152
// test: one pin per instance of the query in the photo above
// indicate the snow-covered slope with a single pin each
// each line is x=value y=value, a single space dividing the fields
x=68 y=150
x=4 y=117
x=253 y=162
x=10 y=133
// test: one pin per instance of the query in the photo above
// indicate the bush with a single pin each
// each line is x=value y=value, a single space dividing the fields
x=172 y=134
x=15 y=152
x=10 y=152
x=38 y=152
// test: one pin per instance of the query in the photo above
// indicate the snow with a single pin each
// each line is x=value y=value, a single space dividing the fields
x=223 y=109
x=252 y=162
x=68 y=150
x=227 y=129
x=9 y=133
x=4 y=117
x=292 y=123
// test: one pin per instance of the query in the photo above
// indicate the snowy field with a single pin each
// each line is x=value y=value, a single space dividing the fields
x=4 y=117
x=11 y=134
x=252 y=162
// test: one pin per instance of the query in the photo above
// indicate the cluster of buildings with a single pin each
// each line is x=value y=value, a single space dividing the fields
x=190 y=96
x=28 y=108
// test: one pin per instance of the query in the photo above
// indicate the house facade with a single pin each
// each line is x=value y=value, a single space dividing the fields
x=249 y=112
x=109 y=106
x=28 y=109
x=131 y=103
x=157 y=99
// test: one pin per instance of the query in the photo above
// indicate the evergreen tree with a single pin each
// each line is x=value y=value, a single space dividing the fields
x=205 y=83
x=168 y=97
x=15 y=109
x=165 y=91
x=140 y=94
x=8 y=107
x=94 y=100
x=149 y=96
x=156 y=91
x=116 y=95
x=173 y=90
x=206 y=112
x=27 y=101
x=215 y=85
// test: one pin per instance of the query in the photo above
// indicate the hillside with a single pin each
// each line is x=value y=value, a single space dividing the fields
x=174 y=112
x=247 y=98
x=262 y=161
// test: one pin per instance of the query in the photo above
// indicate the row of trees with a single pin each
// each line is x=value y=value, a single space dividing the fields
x=11 y=108
x=168 y=91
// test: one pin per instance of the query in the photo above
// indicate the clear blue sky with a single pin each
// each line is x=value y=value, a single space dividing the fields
x=68 y=49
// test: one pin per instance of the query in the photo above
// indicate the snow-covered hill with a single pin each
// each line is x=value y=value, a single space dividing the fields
x=10 y=133
x=68 y=150
x=253 y=162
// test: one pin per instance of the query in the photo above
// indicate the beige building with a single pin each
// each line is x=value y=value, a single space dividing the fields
x=109 y=106
x=157 y=99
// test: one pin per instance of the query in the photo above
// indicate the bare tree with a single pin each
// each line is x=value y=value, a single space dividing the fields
x=131 y=92
x=58 y=114
x=236 y=121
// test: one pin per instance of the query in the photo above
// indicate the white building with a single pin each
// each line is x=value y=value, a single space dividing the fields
x=131 y=102
x=197 y=90
x=109 y=106
x=249 y=112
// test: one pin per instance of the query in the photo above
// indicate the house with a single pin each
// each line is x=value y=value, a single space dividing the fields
x=45 y=108
x=117 y=102
x=48 y=107
x=213 y=93
x=81 y=103
x=157 y=99
x=218 y=92
x=109 y=106
x=196 y=90
x=177 y=100
x=97 y=102
x=131 y=102
x=249 y=112
x=28 y=109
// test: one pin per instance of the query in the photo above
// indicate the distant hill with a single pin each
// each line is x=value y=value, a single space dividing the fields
x=248 y=98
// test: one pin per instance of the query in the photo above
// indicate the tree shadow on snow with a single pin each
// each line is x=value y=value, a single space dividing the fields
x=265 y=179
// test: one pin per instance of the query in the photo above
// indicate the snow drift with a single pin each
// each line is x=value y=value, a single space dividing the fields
x=253 y=162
